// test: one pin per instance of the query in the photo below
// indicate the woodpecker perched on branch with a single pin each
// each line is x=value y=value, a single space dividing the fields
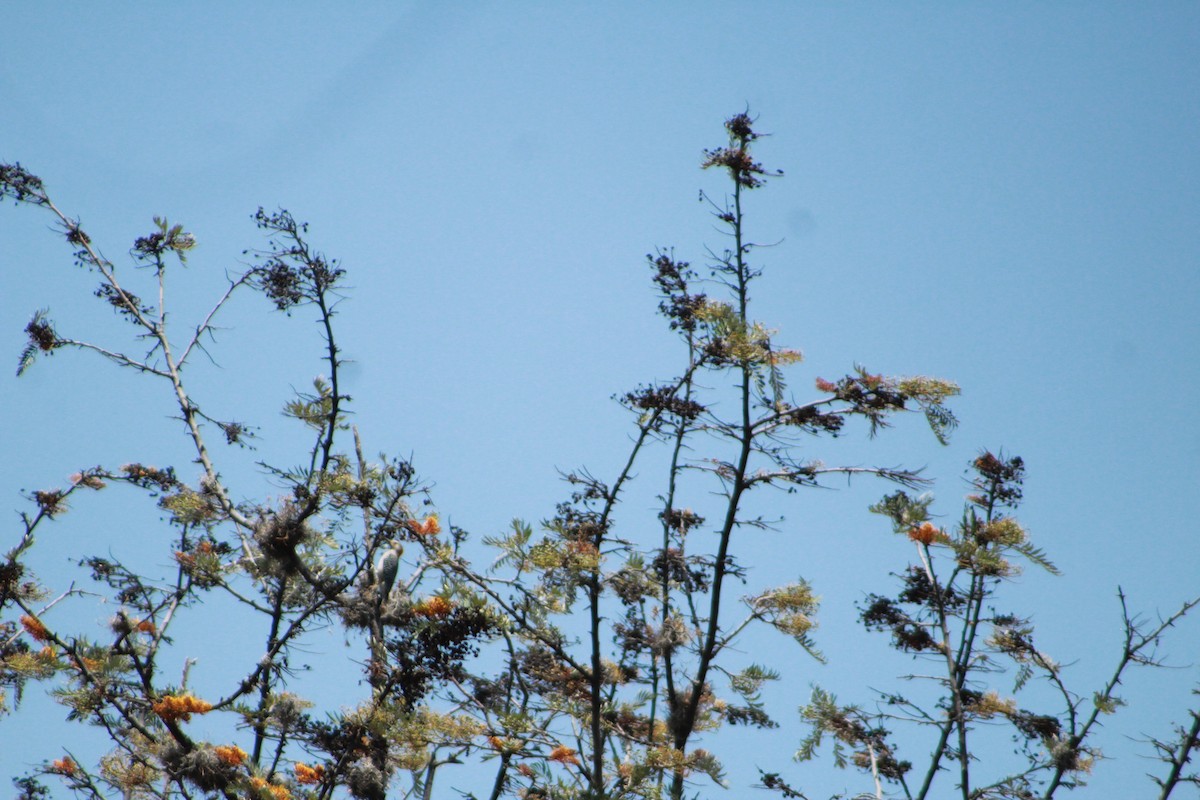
x=386 y=567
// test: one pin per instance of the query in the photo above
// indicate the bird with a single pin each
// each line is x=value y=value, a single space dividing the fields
x=386 y=567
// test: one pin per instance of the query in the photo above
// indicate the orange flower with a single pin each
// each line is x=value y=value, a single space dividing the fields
x=564 y=755
x=430 y=527
x=175 y=707
x=34 y=627
x=205 y=547
x=230 y=754
x=825 y=386
x=64 y=766
x=503 y=744
x=526 y=770
x=309 y=775
x=433 y=608
x=89 y=664
x=147 y=626
x=276 y=791
x=926 y=533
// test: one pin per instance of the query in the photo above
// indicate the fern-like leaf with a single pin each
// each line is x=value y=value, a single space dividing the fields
x=1037 y=556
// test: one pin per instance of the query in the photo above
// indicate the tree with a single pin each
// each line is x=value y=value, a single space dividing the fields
x=589 y=659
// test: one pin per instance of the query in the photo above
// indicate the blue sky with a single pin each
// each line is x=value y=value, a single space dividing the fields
x=1005 y=196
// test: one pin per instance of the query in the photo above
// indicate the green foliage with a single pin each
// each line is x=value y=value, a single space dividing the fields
x=167 y=237
x=905 y=512
x=42 y=339
x=312 y=409
x=1106 y=703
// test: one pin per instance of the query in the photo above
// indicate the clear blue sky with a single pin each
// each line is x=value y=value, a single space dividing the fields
x=1005 y=195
